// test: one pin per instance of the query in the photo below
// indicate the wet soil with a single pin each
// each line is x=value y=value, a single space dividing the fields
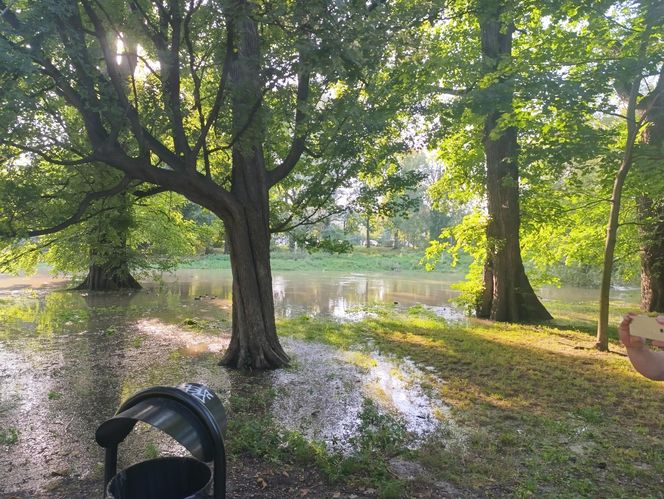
x=68 y=359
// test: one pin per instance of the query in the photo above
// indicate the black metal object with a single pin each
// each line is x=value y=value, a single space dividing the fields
x=191 y=413
x=163 y=478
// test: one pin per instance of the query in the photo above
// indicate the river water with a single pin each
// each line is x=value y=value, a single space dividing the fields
x=68 y=359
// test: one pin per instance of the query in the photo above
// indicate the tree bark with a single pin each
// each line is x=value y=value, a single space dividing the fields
x=651 y=213
x=109 y=259
x=368 y=230
x=227 y=245
x=254 y=343
x=652 y=255
x=507 y=295
x=108 y=277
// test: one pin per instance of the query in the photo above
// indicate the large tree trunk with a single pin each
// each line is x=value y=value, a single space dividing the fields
x=254 y=343
x=508 y=295
x=652 y=255
x=108 y=277
x=651 y=213
x=109 y=259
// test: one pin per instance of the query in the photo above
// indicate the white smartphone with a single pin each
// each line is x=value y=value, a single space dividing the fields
x=645 y=326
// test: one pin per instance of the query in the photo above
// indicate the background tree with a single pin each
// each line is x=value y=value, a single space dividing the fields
x=426 y=218
x=484 y=110
x=109 y=260
x=507 y=295
x=386 y=193
x=121 y=233
x=556 y=91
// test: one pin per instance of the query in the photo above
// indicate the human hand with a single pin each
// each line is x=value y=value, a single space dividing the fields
x=657 y=343
x=625 y=336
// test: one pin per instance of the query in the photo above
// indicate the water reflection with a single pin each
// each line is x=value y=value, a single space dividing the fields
x=324 y=397
x=572 y=294
x=325 y=294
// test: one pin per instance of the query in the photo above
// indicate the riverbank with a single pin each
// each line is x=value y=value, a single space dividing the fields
x=359 y=260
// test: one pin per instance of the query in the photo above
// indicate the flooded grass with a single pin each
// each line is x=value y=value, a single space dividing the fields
x=542 y=411
x=8 y=436
x=68 y=359
x=392 y=401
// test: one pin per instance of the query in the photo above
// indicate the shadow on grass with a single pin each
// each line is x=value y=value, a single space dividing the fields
x=546 y=414
x=582 y=316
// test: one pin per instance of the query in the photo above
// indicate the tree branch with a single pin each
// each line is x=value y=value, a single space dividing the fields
x=149 y=192
x=93 y=124
x=197 y=84
x=50 y=159
x=82 y=207
x=299 y=134
x=221 y=90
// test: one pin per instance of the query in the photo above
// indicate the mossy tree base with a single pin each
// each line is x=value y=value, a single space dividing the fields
x=108 y=278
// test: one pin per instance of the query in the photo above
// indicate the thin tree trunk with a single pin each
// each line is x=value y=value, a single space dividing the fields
x=633 y=127
x=368 y=230
x=610 y=247
x=612 y=233
x=508 y=295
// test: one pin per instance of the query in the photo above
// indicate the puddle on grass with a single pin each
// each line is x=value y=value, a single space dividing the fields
x=68 y=359
x=323 y=397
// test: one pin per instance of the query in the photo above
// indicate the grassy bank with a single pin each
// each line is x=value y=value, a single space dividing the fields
x=543 y=413
x=360 y=260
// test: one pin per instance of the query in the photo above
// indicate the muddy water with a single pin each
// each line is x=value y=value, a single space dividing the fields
x=329 y=294
x=68 y=359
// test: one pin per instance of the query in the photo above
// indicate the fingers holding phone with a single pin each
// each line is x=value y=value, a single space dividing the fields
x=625 y=334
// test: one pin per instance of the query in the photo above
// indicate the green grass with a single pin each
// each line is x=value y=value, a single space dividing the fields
x=582 y=315
x=543 y=412
x=151 y=451
x=8 y=436
x=251 y=431
x=53 y=395
x=360 y=260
